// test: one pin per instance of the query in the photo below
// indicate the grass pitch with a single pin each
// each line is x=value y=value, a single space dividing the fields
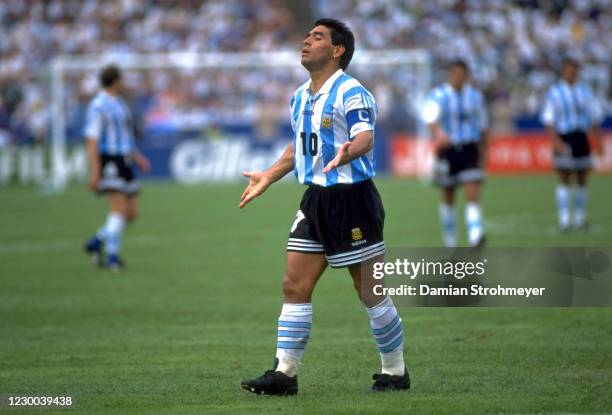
x=195 y=311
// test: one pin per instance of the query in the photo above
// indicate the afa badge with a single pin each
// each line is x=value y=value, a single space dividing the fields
x=356 y=234
x=326 y=122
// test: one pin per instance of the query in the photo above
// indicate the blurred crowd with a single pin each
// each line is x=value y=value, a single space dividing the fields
x=33 y=32
x=513 y=48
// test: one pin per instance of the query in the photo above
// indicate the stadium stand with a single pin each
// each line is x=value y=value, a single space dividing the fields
x=512 y=47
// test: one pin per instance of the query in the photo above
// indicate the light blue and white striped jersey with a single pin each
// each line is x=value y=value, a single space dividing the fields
x=462 y=114
x=323 y=122
x=109 y=123
x=569 y=108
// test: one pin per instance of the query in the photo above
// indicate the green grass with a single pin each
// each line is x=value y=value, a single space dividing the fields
x=195 y=311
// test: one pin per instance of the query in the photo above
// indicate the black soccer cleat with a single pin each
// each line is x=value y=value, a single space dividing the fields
x=388 y=383
x=272 y=382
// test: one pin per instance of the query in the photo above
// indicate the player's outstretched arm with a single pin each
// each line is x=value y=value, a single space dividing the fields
x=361 y=144
x=260 y=181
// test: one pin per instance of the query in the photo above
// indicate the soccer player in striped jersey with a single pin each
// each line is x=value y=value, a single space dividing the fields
x=111 y=151
x=341 y=216
x=570 y=112
x=456 y=114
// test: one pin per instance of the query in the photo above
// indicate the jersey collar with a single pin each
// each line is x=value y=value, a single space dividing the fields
x=326 y=87
x=568 y=85
x=106 y=95
x=449 y=87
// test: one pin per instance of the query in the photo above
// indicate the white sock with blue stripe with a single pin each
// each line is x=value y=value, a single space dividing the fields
x=112 y=233
x=473 y=219
x=294 y=325
x=388 y=332
x=447 y=217
x=563 y=205
x=101 y=233
x=581 y=197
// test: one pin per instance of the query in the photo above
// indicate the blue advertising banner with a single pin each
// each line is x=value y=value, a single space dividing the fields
x=222 y=153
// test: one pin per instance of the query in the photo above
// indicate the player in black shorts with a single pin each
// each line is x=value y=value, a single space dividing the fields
x=571 y=112
x=341 y=217
x=117 y=175
x=112 y=156
x=457 y=117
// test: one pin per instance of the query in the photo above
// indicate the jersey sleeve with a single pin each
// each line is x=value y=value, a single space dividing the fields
x=432 y=110
x=93 y=124
x=547 y=116
x=359 y=110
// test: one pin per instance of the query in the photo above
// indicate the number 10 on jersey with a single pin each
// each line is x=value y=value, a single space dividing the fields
x=310 y=145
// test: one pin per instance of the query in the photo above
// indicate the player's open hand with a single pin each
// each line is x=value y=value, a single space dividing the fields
x=341 y=158
x=258 y=183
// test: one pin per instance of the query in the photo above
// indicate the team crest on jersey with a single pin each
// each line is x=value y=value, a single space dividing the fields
x=326 y=122
x=356 y=234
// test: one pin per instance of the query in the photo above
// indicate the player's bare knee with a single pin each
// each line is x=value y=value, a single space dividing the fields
x=118 y=205
x=366 y=293
x=119 y=211
x=291 y=288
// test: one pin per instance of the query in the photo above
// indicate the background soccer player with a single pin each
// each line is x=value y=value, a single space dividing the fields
x=340 y=220
x=456 y=114
x=570 y=112
x=110 y=148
